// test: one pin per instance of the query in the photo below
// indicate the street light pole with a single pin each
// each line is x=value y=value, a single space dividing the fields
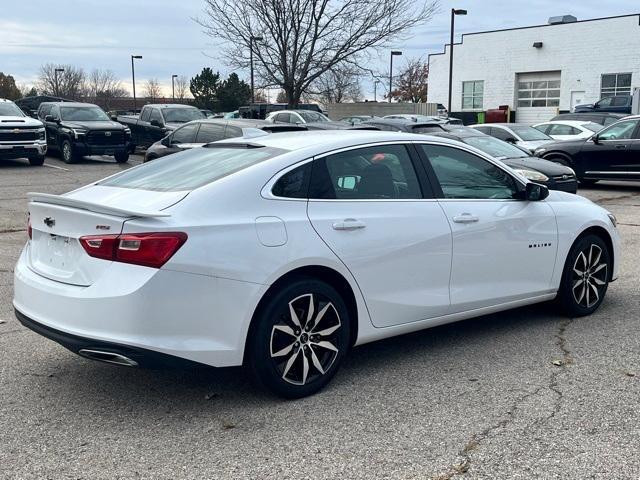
x=454 y=12
x=251 y=40
x=173 y=88
x=55 y=73
x=393 y=53
x=133 y=75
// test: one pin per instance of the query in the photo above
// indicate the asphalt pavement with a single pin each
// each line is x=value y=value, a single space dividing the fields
x=521 y=394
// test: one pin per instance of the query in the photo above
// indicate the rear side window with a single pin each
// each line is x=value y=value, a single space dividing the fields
x=210 y=132
x=294 y=184
x=371 y=173
x=188 y=170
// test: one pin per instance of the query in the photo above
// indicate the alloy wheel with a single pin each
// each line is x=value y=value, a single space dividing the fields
x=66 y=152
x=304 y=342
x=589 y=276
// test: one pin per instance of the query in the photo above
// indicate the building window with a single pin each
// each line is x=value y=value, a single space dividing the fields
x=544 y=93
x=472 y=93
x=615 y=84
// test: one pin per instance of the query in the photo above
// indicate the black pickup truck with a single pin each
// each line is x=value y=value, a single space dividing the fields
x=156 y=121
x=78 y=129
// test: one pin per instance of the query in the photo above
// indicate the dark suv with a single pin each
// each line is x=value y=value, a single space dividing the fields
x=616 y=104
x=78 y=129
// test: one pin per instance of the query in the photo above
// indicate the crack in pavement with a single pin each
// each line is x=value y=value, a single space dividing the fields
x=476 y=439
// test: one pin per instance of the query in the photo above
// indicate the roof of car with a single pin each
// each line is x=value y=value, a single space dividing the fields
x=70 y=104
x=168 y=105
x=573 y=123
x=338 y=138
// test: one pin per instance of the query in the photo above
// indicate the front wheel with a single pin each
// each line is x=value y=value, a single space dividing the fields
x=300 y=338
x=68 y=155
x=586 y=276
x=122 y=157
x=37 y=161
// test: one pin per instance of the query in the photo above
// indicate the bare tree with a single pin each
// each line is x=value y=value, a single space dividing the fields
x=337 y=85
x=181 y=86
x=303 y=39
x=282 y=97
x=68 y=83
x=152 y=89
x=103 y=87
x=413 y=82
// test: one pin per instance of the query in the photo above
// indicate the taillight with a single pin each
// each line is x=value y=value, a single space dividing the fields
x=29 y=229
x=147 y=249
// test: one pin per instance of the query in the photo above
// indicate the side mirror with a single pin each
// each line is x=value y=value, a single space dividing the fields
x=511 y=140
x=49 y=118
x=166 y=141
x=535 y=192
x=114 y=118
x=596 y=139
x=155 y=123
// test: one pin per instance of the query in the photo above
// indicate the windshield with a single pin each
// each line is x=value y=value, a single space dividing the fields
x=181 y=115
x=494 y=147
x=594 y=127
x=83 y=114
x=10 y=109
x=529 y=133
x=191 y=169
x=309 y=116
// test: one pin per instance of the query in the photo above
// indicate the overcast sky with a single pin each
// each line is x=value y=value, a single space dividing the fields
x=104 y=33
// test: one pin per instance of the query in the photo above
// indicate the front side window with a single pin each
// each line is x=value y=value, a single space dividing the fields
x=472 y=95
x=157 y=116
x=463 y=175
x=494 y=147
x=502 y=134
x=186 y=134
x=619 y=131
x=373 y=173
x=144 y=116
x=309 y=116
x=615 y=84
x=528 y=134
x=44 y=110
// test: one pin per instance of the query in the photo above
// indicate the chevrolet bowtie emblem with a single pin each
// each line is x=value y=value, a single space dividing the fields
x=49 y=222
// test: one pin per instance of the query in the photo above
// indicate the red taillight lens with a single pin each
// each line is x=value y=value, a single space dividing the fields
x=29 y=229
x=147 y=249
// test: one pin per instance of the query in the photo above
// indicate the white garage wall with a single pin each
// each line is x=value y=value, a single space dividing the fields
x=582 y=51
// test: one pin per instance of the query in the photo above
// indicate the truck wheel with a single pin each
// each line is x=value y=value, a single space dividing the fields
x=36 y=161
x=122 y=157
x=68 y=155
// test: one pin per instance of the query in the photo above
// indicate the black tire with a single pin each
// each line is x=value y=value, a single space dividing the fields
x=585 y=182
x=149 y=158
x=37 y=161
x=122 y=157
x=577 y=291
x=561 y=159
x=67 y=153
x=300 y=343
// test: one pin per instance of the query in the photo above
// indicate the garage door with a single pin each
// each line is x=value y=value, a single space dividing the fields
x=538 y=96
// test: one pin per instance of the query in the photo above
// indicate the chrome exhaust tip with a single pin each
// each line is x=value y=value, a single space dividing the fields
x=107 y=357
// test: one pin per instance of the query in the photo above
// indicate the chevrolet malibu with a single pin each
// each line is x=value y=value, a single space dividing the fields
x=282 y=251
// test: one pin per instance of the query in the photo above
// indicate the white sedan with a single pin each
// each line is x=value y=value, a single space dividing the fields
x=282 y=251
x=568 y=129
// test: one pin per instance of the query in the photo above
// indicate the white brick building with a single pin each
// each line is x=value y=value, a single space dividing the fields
x=572 y=63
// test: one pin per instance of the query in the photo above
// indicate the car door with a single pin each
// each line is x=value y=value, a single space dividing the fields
x=613 y=154
x=367 y=205
x=504 y=249
x=183 y=138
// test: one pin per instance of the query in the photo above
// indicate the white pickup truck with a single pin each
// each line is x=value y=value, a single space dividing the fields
x=21 y=136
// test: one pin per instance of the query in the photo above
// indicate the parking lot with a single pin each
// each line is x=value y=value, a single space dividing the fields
x=526 y=393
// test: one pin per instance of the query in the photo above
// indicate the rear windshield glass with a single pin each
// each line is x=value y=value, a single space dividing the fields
x=191 y=169
x=529 y=134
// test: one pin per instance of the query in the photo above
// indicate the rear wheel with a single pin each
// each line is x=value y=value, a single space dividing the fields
x=586 y=276
x=68 y=155
x=300 y=338
x=122 y=157
x=37 y=161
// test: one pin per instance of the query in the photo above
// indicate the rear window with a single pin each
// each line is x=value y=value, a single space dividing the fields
x=191 y=169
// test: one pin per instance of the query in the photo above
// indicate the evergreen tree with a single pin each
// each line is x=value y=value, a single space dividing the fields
x=205 y=88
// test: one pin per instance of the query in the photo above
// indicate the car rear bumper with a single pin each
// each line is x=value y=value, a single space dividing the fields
x=194 y=317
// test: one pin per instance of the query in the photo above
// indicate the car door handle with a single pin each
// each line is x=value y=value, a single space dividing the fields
x=465 y=218
x=349 y=224
x=620 y=147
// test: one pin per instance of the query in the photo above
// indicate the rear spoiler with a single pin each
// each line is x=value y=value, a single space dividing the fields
x=92 y=207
